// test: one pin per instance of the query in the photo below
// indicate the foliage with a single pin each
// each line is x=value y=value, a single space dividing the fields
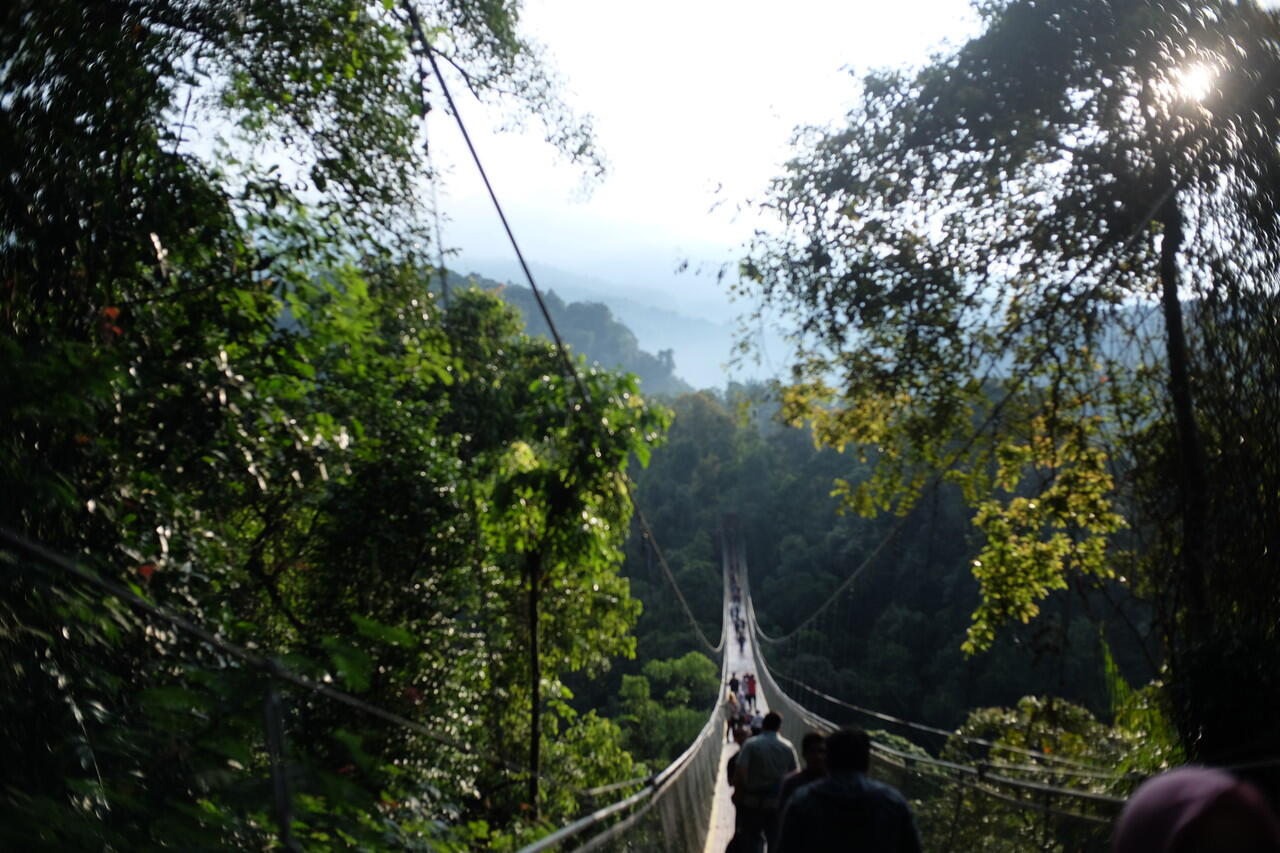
x=664 y=708
x=228 y=386
x=1152 y=744
x=431 y=624
x=987 y=269
x=890 y=641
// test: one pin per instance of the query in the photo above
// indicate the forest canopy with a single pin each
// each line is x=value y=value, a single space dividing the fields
x=1033 y=290
x=1042 y=268
x=230 y=394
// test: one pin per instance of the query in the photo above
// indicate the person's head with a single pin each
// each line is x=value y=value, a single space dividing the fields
x=1196 y=810
x=848 y=749
x=740 y=734
x=814 y=749
x=772 y=721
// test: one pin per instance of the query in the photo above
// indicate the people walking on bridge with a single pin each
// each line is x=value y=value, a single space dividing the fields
x=827 y=815
x=731 y=715
x=813 y=749
x=739 y=737
x=762 y=763
x=750 y=679
x=734 y=684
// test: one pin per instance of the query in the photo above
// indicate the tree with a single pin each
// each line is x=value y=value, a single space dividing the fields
x=659 y=728
x=228 y=387
x=1035 y=267
x=1058 y=730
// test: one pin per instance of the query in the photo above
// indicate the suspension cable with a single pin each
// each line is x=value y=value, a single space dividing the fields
x=1084 y=768
x=922 y=726
x=662 y=561
x=845 y=584
x=562 y=350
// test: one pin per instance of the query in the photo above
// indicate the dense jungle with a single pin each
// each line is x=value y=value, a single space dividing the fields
x=310 y=540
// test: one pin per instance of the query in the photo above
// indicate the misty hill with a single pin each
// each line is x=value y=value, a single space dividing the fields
x=590 y=329
x=702 y=341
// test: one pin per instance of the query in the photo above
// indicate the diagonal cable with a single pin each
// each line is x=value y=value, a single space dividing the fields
x=497 y=205
x=662 y=561
x=563 y=350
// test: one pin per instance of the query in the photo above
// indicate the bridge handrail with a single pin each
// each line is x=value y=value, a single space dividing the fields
x=579 y=825
x=657 y=784
x=1083 y=768
x=798 y=717
x=981 y=773
x=660 y=787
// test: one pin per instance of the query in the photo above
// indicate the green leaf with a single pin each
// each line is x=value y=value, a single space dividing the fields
x=353 y=664
x=174 y=699
x=376 y=630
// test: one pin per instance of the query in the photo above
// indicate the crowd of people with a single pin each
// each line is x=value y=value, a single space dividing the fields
x=828 y=805
x=831 y=804
x=735 y=613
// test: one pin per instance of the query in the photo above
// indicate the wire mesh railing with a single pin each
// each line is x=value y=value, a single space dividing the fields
x=676 y=815
x=672 y=812
x=963 y=807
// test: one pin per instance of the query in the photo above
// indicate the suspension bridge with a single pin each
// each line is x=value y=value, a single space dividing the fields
x=1035 y=800
x=1043 y=802
x=687 y=807
x=1048 y=802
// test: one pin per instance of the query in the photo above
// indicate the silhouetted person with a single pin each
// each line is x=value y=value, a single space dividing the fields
x=739 y=737
x=1196 y=810
x=763 y=762
x=738 y=843
x=813 y=749
x=847 y=810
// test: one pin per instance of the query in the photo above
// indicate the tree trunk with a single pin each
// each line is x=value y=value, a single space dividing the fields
x=1192 y=475
x=535 y=681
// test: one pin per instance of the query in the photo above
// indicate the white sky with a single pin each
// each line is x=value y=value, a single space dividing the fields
x=687 y=97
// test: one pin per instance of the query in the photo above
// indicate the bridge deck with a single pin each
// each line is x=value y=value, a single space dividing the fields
x=722 y=811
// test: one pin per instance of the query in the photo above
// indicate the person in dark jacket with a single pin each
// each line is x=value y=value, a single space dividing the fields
x=813 y=749
x=763 y=762
x=847 y=810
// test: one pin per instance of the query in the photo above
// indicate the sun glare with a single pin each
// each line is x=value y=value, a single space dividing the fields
x=1195 y=81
